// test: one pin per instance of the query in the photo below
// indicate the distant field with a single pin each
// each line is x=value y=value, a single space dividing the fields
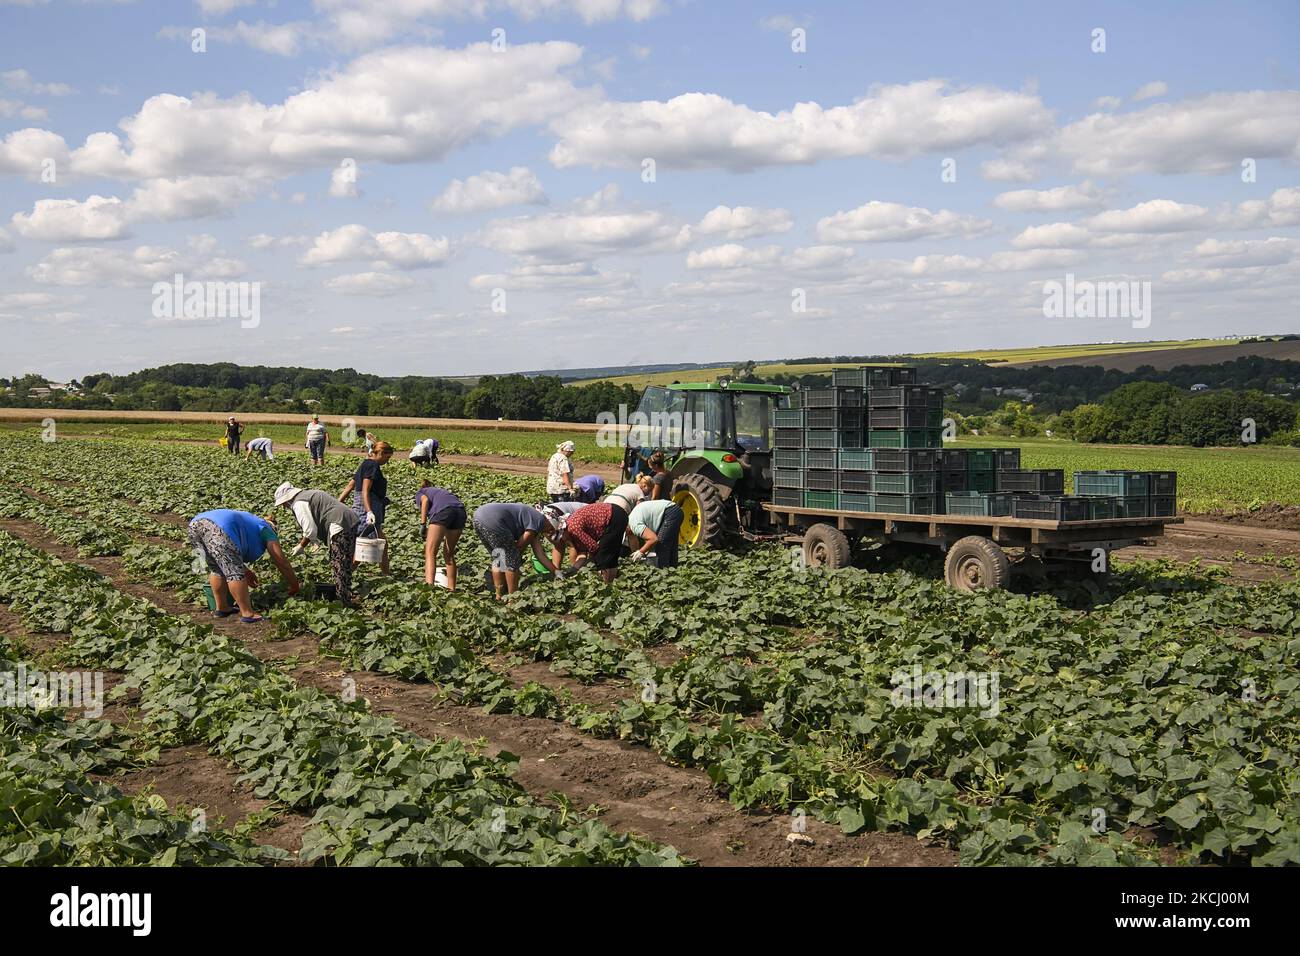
x=1125 y=356
x=1208 y=478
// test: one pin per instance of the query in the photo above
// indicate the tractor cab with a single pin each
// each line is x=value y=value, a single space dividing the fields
x=717 y=444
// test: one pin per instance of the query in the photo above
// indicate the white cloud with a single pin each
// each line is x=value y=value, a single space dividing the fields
x=1282 y=208
x=1107 y=103
x=1005 y=170
x=1210 y=135
x=1154 y=216
x=893 y=222
x=280 y=39
x=779 y=23
x=592 y=228
x=1083 y=196
x=1149 y=91
x=24 y=151
x=744 y=222
x=219 y=8
x=704 y=130
x=22 y=81
x=555 y=276
x=491 y=190
x=343 y=181
x=401 y=250
x=732 y=256
x=116 y=266
x=70 y=220
x=815 y=258
x=1246 y=253
x=15 y=108
x=265 y=241
x=190 y=197
x=370 y=283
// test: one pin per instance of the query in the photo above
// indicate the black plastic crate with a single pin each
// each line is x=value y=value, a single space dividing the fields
x=858 y=482
x=954 y=459
x=910 y=417
x=787 y=477
x=1050 y=507
x=874 y=376
x=1115 y=484
x=788 y=438
x=856 y=459
x=819 y=479
x=787 y=497
x=1040 y=481
x=1163 y=506
x=953 y=481
x=821 y=458
x=1163 y=483
x=1102 y=506
x=905 y=438
x=904 y=459
x=832 y=417
x=905 y=396
x=832 y=398
x=1138 y=506
x=832 y=438
x=1007 y=459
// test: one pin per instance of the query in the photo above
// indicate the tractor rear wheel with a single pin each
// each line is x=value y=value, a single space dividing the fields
x=975 y=563
x=704 y=523
x=825 y=546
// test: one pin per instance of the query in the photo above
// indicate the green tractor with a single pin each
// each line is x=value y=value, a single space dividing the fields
x=717 y=443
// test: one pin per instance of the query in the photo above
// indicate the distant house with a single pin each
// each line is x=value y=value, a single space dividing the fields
x=40 y=391
x=1200 y=387
x=311 y=401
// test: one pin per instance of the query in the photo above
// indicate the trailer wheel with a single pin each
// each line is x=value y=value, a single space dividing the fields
x=825 y=546
x=975 y=563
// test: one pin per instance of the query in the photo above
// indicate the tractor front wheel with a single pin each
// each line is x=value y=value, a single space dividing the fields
x=703 y=515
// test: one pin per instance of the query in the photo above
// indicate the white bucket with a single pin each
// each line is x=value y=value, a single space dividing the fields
x=440 y=577
x=370 y=550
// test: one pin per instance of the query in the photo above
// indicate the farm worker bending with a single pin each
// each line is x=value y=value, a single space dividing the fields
x=369 y=442
x=630 y=495
x=559 y=472
x=655 y=524
x=588 y=489
x=317 y=439
x=233 y=430
x=443 y=516
x=425 y=452
x=323 y=519
x=596 y=532
x=262 y=447
x=369 y=490
x=505 y=530
x=558 y=512
x=228 y=541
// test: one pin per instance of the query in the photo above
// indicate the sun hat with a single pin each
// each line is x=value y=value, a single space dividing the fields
x=566 y=446
x=285 y=493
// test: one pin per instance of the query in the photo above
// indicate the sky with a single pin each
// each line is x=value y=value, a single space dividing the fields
x=459 y=187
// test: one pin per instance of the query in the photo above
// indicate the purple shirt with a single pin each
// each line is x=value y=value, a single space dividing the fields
x=590 y=487
x=440 y=499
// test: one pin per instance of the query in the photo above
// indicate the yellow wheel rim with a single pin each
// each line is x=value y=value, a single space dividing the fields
x=690 y=530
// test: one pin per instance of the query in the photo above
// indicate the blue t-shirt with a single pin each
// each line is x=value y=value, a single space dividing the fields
x=249 y=532
x=440 y=499
x=590 y=487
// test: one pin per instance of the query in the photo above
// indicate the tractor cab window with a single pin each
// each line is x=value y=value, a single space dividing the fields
x=659 y=420
x=709 y=423
x=753 y=421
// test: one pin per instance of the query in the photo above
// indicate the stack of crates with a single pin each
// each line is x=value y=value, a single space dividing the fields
x=973 y=471
x=1130 y=494
x=809 y=439
x=905 y=416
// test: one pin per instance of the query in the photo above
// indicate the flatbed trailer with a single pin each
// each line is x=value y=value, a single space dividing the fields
x=973 y=545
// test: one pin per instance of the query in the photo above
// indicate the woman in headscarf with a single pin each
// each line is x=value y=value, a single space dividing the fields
x=559 y=472
x=506 y=529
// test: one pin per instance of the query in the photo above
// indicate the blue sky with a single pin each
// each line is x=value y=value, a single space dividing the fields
x=500 y=219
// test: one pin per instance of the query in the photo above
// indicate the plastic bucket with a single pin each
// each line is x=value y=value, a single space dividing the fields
x=369 y=550
x=540 y=569
x=440 y=577
x=210 y=597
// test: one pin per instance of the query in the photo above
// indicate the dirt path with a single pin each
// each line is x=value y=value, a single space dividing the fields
x=638 y=791
x=1250 y=553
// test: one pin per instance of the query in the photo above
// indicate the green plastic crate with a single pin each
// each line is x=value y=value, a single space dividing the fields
x=1163 y=506
x=904 y=504
x=857 y=502
x=787 y=458
x=787 y=477
x=788 y=497
x=983 y=459
x=823 y=500
x=832 y=438
x=1116 y=484
x=856 y=459
x=983 y=482
x=905 y=438
x=996 y=505
x=828 y=458
x=904 y=483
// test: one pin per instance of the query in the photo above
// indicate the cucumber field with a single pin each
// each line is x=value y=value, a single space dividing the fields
x=785 y=715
